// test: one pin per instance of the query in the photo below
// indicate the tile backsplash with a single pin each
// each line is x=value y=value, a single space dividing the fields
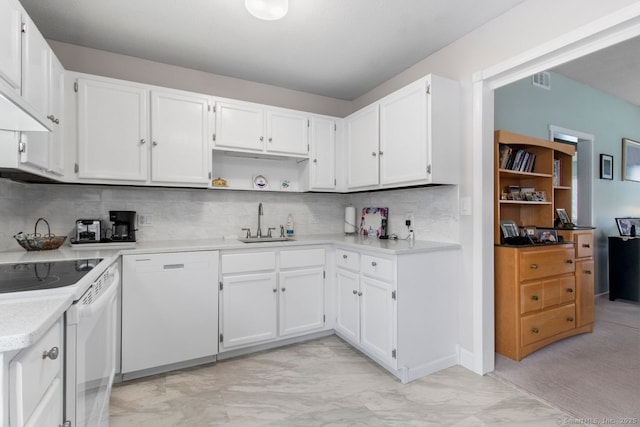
x=197 y=214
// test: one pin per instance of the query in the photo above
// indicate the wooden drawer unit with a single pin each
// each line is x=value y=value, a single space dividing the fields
x=380 y=268
x=548 y=323
x=539 y=262
x=584 y=244
x=348 y=260
x=547 y=293
x=537 y=298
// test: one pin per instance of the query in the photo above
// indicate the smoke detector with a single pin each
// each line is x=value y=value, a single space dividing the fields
x=542 y=79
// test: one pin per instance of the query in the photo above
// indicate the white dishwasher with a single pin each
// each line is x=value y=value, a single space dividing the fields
x=169 y=311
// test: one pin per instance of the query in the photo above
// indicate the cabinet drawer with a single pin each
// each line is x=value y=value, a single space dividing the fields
x=302 y=258
x=32 y=374
x=347 y=259
x=584 y=245
x=538 y=263
x=543 y=325
x=547 y=293
x=372 y=266
x=247 y=262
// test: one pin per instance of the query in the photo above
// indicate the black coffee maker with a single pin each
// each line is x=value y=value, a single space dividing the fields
x=124 y=226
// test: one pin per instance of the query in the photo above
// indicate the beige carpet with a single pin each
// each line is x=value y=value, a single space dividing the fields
x=593 y=375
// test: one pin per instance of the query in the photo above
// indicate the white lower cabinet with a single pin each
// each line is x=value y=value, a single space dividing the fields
x=400 y=310
x=35 y=384
x=266 y=296
x=169 y=310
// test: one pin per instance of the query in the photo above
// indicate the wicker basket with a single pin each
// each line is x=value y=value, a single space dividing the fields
x=38 y=242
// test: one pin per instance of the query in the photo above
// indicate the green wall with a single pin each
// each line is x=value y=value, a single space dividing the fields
x=523 y=108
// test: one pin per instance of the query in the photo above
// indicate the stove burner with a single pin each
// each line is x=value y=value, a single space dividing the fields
x=43 y=275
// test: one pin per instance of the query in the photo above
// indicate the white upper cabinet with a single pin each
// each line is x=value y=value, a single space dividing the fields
x=35 y=73
x=239 y=126
x=179 y=132
x=287 y=132
x=247 y=127
x=55 y=115
x=10 y=43
x=322 y=155
x=112 y=131
x=410 y=137
x=362 y=148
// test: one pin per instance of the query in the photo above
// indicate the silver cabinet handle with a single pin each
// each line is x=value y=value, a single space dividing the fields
x=381 y=153
x=283 y=289
x=262 y=138
x=275 y=290
x=51 y=354
x=373 y=263
x=355 y=292
x=315 y=160
x=56 y=121
x=155 y=143
x=359 y=294
x=270 y=139
x=374 y=154
x=142 y=141
x=344 y=256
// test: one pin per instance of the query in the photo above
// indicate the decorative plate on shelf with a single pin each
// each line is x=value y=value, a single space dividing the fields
x=260 y=182
x=374 y=222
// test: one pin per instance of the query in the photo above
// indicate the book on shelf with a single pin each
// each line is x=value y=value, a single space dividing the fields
x=516 y=159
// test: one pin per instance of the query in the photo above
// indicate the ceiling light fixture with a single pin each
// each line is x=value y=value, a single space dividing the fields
x=269 y=10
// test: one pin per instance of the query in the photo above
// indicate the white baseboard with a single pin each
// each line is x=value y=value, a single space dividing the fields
x=465 y=358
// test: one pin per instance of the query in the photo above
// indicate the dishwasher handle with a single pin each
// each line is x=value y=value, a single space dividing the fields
x=173 y=266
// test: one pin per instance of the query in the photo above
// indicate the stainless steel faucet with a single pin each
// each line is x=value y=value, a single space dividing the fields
x=260 y=213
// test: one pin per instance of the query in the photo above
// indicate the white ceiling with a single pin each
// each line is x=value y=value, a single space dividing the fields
x=336 y=48
x=615 y=70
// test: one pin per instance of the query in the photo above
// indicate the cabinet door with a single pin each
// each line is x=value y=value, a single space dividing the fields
x=323 y=154
x=112 y=131
x=249 y=309
x=403 y=136
x=179 y=129
x=585 y=292
x=362 y=148
x=49 y=410
x=56 y=107
x=378 y=319
x=239 y=126
x=287 y=132
x=348 y=310
x=301 y=301
x=10 y=43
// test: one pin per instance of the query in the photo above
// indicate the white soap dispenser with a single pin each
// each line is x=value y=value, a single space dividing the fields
x=290 y=231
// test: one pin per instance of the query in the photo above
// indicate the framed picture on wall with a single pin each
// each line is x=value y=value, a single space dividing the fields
x=630 y=160
x=606 y=166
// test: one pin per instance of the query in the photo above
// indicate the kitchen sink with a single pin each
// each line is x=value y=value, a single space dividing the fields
x=266 y=239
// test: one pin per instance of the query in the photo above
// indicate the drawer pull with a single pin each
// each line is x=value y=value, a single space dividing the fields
x=586 y=245
x=355 y=292
x=587 y=272
x=275 y=290
x=535 y=330
x=569 y=319
x=373 y=263
x=569 y=261
x=359 y=294
x=283 y=289
x=534 y=297
x=344 y=256
x=51 y=354
x=534 y=266
x=570 y=290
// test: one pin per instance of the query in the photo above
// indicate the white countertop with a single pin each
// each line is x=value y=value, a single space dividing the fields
x=26 y=316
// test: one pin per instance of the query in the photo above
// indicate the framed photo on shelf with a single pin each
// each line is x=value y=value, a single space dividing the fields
x=606 y=166
x=509 y=229
x=630 y=160
x=562 y=216
x=546 y=235
x=624 y=225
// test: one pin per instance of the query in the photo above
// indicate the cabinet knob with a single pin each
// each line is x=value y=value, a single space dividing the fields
x=587 y=272
x=51 y=117
x=381 y=153
x=374 y=154
x=569 y=261
x=586 y=245
x=56 y=121
x=270 y=139
x=534 y=297
x=373 y=263
x=275 y=290
x=535 y=330
x=315 y=160
x=344 y=256
x=283 y=289
x=359 y=294
x=355 y=292
x=262 y=138
x=534 y=266
x=155 y=143
x=569 y=319
x=570 y=290
x=142 y=141
x=51 y=354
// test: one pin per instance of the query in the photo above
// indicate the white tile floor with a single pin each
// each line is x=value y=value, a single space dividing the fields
x=323 y=382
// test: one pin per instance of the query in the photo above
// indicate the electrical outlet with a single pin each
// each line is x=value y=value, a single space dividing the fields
x=145 y=220
x=409 y=220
